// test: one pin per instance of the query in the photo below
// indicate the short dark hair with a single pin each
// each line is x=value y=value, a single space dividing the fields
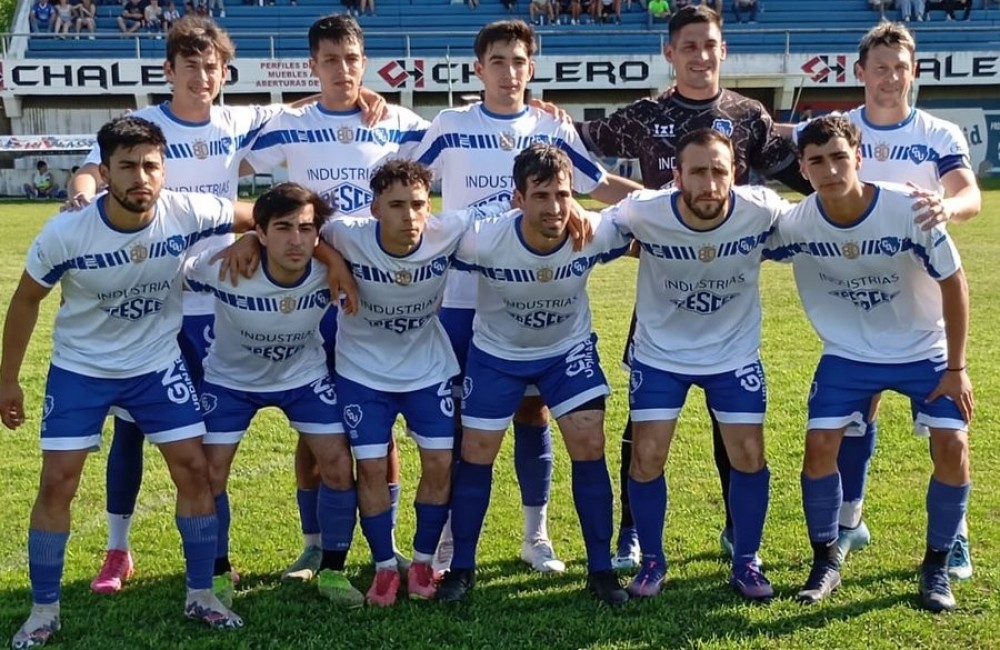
x=505 y=31
x=702 y=138
x=40 y=164
x=540 y=162
x=823 y=129
x=692 y=15
x=337 y=28
x=128 y=132
x=286 y=198
x=397 y=170
x=888 y=34
x=192 y=35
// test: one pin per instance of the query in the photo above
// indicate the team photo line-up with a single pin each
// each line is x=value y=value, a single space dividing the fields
x=349 y=303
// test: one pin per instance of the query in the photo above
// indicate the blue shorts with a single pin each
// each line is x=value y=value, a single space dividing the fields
x=328 y=332
x=458 y=325
x=163 y=403
x=735 y=397
x=196 y=336
x=310 y=409
x=368 y=416
x=493 y=387
x=842 y=392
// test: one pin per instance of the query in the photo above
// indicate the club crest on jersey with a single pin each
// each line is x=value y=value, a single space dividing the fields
x=707 y=253
x=138 y=253
x=663 y=130
x=345 y=135
x=919 y=153
x=881 y=152
x=47 y=406
x=439 y=265
x=353 y=415
x=175 y=245
x=578 y=267
x=200 y=149
x=851 y=250
x=725 y=127
x=634 y=380
x=545 y=274
x=403 y=277
x=208 y=402
x=890 y=245
x=380 y=136
x=286 y=305
x=507 y=140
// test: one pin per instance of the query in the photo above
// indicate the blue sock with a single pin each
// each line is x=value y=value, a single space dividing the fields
x=430 y=522
x=649 y=509
x=378 y=532
x=308 y=501
x=338 y=513
x=124 y=473
x=748 y=499
x=946 y=506
x=821 y=499
x=394 y=503
x=470 y=498
x=533 y=463
x=46 y=556
x=199 y=537
x=592 y=496
x=852 y=461
x=223 y=516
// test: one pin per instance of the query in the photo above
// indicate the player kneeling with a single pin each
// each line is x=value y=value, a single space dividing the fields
x=268 y=352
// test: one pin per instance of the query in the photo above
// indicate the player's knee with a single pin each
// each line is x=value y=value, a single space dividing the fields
x=371 y=473
x=820 y=457
x=747 y=455
x=951 y=453
x=648 y=460
x=480 y=448
x=532 y=412
x=58 y=487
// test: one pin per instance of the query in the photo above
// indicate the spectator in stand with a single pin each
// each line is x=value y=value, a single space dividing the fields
x=473 y=4
x=64 y=18
x=881 y=5
x=41 y=185
x=659 y=11
x=42 y=16
x=153 y=16
x=912 y=8
x=170 y=16
x=604 y=8
x=949 y=7
x=86 y=13
x=205 y=7
x=131 y=17
x=368 y=7
x=538 y=10
x=351 y=6
x=740 y=7
x=509 y=5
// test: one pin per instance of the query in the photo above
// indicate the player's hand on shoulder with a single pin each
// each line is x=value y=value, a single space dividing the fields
x=239 y=258
x=11 y=405
x=580 y=225
x=552 y=109
x=956 y=386
x=373 y=106
x=76 y=202
x=930 y=207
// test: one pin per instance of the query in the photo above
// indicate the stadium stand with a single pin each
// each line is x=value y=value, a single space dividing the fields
x=438 y=27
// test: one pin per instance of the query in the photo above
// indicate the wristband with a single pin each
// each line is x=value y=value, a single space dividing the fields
x=955 y=369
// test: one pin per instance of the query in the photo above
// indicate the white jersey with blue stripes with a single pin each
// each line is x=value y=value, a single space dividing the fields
x=472 y=151
x=395 y=342
x=698 y=291
x=121 y=290
x=333 y=153
x=532 y=304
x=204 y=157
x=266 y=333
x=870 y=288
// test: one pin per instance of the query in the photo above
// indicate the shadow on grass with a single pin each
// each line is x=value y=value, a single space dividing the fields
x=511 y=607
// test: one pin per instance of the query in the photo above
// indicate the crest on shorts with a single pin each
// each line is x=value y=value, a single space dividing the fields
x=507 y=140
x=200 y=149
x=47 y=406
x=287 y=305
x=345 y=135
x=707 y=253
x=545 y=274
x=138 y=253
x=466 y=387
x=881 y=152
x=353 y=415
x=851 y=250
x=634 y=380
x=208 y=402
x=403 y=277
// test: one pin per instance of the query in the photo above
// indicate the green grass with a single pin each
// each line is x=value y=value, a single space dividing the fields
x=513 y=608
